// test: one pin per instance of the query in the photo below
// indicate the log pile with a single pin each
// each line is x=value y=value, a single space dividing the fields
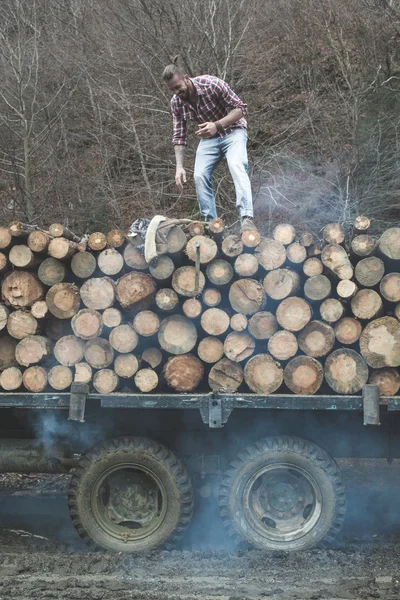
x=216 y=311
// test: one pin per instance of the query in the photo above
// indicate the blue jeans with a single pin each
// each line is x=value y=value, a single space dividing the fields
x=209 y=153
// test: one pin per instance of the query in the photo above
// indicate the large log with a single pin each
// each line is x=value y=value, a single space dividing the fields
x=69 y=350
x=60 y=377
x=83 y=373
x=123 y=339
x=62 y=249
x=210 y=349
x=208 y=249
x=281 y=283
x=211 y=297
x=4 y=313
x=293 y=313
x=32 y=349
x=176 y=240
x=296 y=253
x=146 y=323
x=110 y=261
x=83 y=265
x=146 y=380
x=239 y=345
x=22 y=256
x=334 y=233
x=167 y=299
x=21 y=323
x=185 y=282
x=177 y=334
x=284 y=233
x=192 y=308
x=389 y=244
x=7 y=351
x=225 y=376
x=317 y=288
x=21 y=289
x=116 y=238
x=263 y=374
x=39 y=309
x=136 y=291
x=387 y=380
x=99 y=353
x=63 y=300
x=51 y=271
x=111 y=317
x=59 y=230
x=369 y=271
x=215 y=321
x=247 y=296
x=390 y=287
x=251 y=238
x=346 y=372
x=312 y=266
x=98 y=293
x=5 y=238
x=105 y=381
x=97 y=241
x=335 y=258
x=246 y=265
x=11 y=379
x=38 y=241
x=183 y=373
x=152 y=357
x=126 y=365
x=239 y=322
x=134 y=258
x=316 y=339
x=331 y=310
x=270 y=254
x=220 y=272
x=35 y=379
x=87 y=324
x=263 y=325
x=164 y=268
x=366 y=304
x=303 y=375
x=362 y=245
x=283 y=345
x=348 y=330
x=232 y=246
x=380 y=343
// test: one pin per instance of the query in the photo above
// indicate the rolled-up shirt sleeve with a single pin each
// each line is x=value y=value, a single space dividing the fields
x=179 y=135
x=228 y=97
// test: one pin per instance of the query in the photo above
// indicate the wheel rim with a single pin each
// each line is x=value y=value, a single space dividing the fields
x=129 y=502
x=282 y=502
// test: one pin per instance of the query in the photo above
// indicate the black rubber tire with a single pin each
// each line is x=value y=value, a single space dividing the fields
x=302 y=454
x=169 y=469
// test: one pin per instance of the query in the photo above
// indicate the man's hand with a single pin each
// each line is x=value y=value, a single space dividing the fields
x=206 y=130
x=180 y=177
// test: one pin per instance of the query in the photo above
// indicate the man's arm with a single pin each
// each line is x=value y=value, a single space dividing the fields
x=180 y=174
x=179 y=139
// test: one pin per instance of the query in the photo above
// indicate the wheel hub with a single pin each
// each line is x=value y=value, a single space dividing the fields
x=282 y=496
x=132 y=499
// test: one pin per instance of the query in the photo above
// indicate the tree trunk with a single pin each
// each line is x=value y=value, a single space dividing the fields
x=270 y=254
x=334 y=234
x=69 y=350
x=389 y=244
x=281 y=283
x=83 y=373
x=313 y=266
x=152 y=357
x=59 y=377
x=146 y=323
x=21 y=323
x=346 y=372
x=246 y=265
x=331 y=310
x=111 y=317
x=238 y=322
x=366 y=305
x=208 y=249
x=183 y=373
x=134 y=258
x=97 y=241
x=251 y=238
x=136 y=291
x=5 y=238
x=21 y=289
x=247 y=296
x=220 y=272
x=283 y=345
x=123 y=339
x=263 y=325
x=39 y=309
x=316 y=339
x=166 y=299
x=164 y=269
x=62 y=249
x=58 y=230
x=116 y=238
x=110 y=261
x=362 y=245
x=348 y=331
x=390 y=287
x=184 y=281
x=284 y=233
x=346 y=289
x=51 y=271
x=225 y=376
x=11 y=379
x=293 y=313
x=126 y=365
x=177 y=334
x=380 y=343
x=303 y=375
x=215 y=321
x=99 y=353
x=387 y=380
x=317 y=288
x=263 y=374
x=296 y=253
x=32 y=349
x=83 y=265
x=34 y=379
x=192 y=308
x=238 y=346
x=98 y=293
x=105 y=381
x=38 y=241
x=369 y=271
x=211 y=297
x=63 y=300
x=87 y=324
x=210 y=349
x=335 y=258
x=146 y=380
x=232 y=246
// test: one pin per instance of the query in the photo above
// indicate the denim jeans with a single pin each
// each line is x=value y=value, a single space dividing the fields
x=209 y=153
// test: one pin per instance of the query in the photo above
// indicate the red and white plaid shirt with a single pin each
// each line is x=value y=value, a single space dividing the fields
x=214 y=100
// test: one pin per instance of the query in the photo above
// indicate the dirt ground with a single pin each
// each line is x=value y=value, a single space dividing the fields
x=41 y=556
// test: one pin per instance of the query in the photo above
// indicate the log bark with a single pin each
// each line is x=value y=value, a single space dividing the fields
x=361 y=224
x=263 y=374
x=390 y=287
x=281 y=283
x=333 y=233
x=296 y=253
x=63 y=300
x=246 y=265
x=387 y=380
x=32 y=349
x=116 y=238
x=146 y=380
x=283 y=345
x=263 y=325
x=306 y=239
x=34 y=379
x=126 y=365
x=366 y=305
x=211 y=297
x=3 y=262
x=313 y=266
x=5 y=238
x=270 y=254
x=210 y=349
x=335 y=258
x=293 y=313
x=215 y=321
x=61 y=249
x=51 y=272
x=97 y=241
x=380 y=343
x=136 y=291
x=98 y=293
x=247 y=296
x=38 y=241
x=111 y=317
x=166 y=299
x=232 y=246
x=69 y=350
x=11 y=379
x=39 y=309
x=105 y=381
x=192 y=308
x=164 y=268
x=239 y=345
x=4 y=313
x=83 y=373
x=177 y=334
x=59 y=230
x=316 y=339
x=110 y=261
x=369 y=271
x=238 y=322
x=152 y=357
x=284 y=233
x=303 y=375
x=196 y=228
x=83 y=265
x=123 y=339
x=21 y=289
x=389 y=244
x=134 y=258
x=225 y=376
x=59 y=377
x=87 y=324
x=346 y=289
x=220 y=272
x=363 y=245
x=7 y=351
x=146 y=323
x=184 y=281
x=98 y=353
x=346 y=372
x=208 y=249
x=317 y=288
x=216 y=226
x=348 y=330
x=21 y=323
x=183 y=373
x=331 y=310
x=56 y=329
x=251 y=238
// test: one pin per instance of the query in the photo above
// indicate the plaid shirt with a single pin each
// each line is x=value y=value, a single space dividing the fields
x=215 y=100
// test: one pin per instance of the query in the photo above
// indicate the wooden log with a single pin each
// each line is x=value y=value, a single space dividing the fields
x=146 y=380
x=21 y=289
x=293 y=313
x=69 y=350
x=210 y=349
x=208 y=249
x=215 y=321
x=146 y=323
x=39 y=309
x=303 y=375
x=11 y=379
x=389 y=244
x=331 y=310
x=306 y=239
x=97 y=241
x=312 y=266
x=21 y=323
x=296 y=253
x=115 y=238
x=123 y=339
x=7 y=351
x=5 y=238
x=134 y=257
x=83 y=373
x=152 y=357
x=4 y=313
x=335 y=258
x=334 y=233
x=176 y=240
x=83 y=265
x=225 y=376
x=387 y=380
x=281 y=283
x=211 y=297
x=110 y=261
x=62 y=249
x=270 y=254
x=164 y=268
x=98 y=293
x=38 y=241
x=348 y=330
x=283 y=345
x=111 y=317
x=232 y=246
x=196 y=228
x=239 y=345
x=184 y=281
x=183 y=373
x=216 y=226
x=167 y=299
x=263 y=374
x=369 y=271
x=220 y=272
x=192 y=308
x=126 y=365
x=3 y=262
x=238 y=322
x=366 y=305
x=284 y=233
x=251 y=238
x=63 y=300
x=346 y=372
x=32 y=349
x=105 y=381
x=56 y=329
x=390 y=287
x=263 y=325
x=58 y=230
x=314 y=250
x=136 y=291
x=51 y=272
x=87 y=324
x=380 y=343
x=177 y=334
x=361 y=224
x=346 y=289
x=316 y=339
x=317 y=288
x=83 y=244
x=34 y=379
x=60 y=377
x=362 y=245
x=246 y=265
x=18 y=229
x=247 y=296
x=99 y=353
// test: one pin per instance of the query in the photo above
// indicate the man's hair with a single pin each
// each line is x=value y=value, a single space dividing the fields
x=171 y=70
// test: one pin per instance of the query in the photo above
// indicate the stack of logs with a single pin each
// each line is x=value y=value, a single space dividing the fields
x=284 y=312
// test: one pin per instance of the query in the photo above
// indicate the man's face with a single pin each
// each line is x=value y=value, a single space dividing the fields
x=179 y=86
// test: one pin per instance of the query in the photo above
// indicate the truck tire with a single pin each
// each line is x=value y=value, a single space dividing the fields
x=283 y=493
x=130 y=495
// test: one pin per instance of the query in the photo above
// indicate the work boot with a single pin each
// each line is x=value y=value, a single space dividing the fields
x=247 y=224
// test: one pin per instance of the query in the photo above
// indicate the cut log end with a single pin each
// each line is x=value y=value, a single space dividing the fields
x=146 y=380
x=303 y=375
x=263 y=374
x=346 y=372
x=183 y=373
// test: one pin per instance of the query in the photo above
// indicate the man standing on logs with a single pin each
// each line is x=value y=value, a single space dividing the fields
x=222 y=131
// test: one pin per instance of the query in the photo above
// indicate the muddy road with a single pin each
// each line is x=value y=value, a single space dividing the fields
x=41 y=556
